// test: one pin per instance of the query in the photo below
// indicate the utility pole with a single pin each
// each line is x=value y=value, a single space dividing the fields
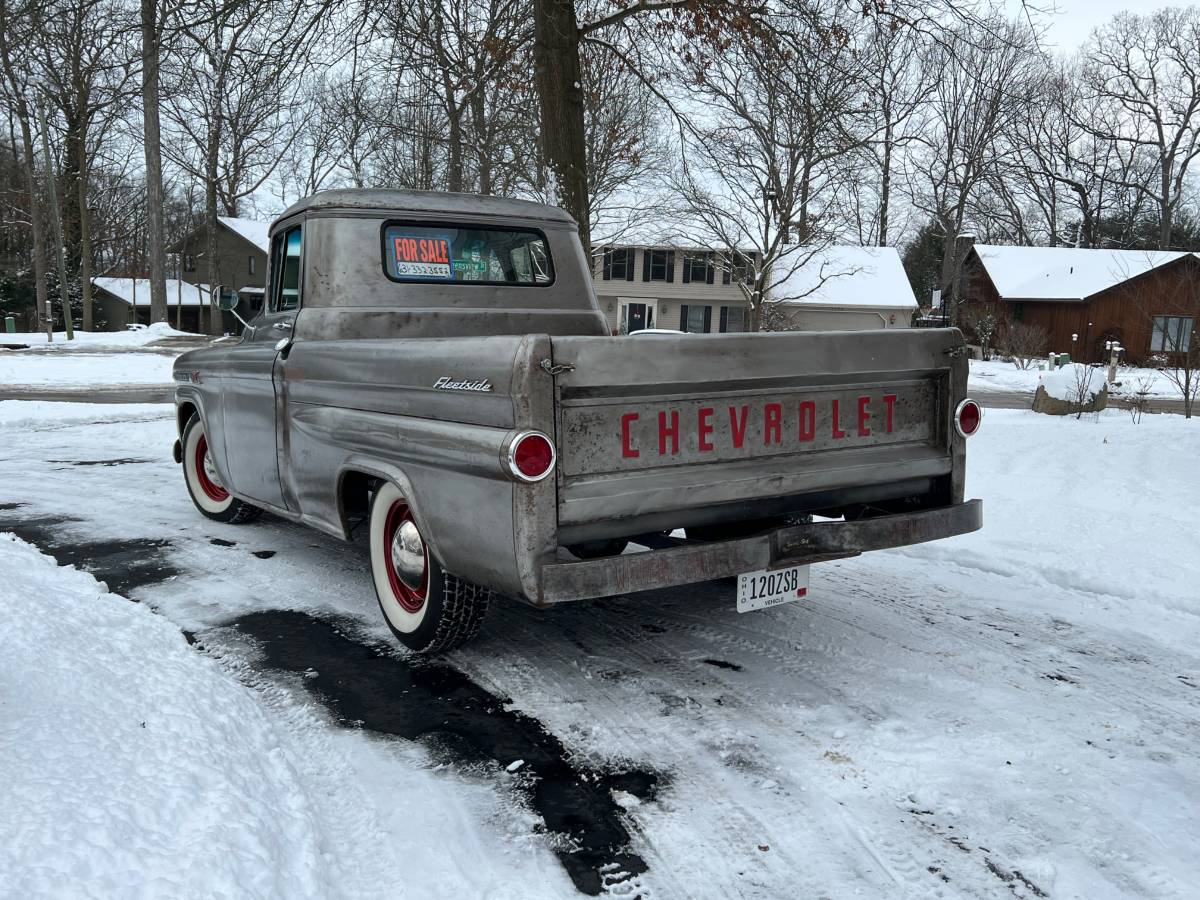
x=56 y=223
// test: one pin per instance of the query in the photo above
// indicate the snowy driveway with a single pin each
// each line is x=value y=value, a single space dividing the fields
x=1011 y=713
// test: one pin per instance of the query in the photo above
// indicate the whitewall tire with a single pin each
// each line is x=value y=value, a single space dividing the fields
x=426 y=608
x=204 y=484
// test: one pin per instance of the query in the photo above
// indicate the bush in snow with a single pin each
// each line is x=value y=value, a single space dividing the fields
x=1025 y=344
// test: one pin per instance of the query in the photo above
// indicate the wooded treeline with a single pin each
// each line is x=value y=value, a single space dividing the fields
x=759 y=126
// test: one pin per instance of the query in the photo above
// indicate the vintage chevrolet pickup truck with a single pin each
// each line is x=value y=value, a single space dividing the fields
x=434 y=369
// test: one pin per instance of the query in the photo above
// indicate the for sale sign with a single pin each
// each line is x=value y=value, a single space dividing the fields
x=421 y=257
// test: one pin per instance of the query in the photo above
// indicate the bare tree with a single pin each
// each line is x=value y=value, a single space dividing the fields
x=230 y=103
x=897 y=77
x=1144 y=71
x=86 y=63
x=759 y=166
x=987 y=79
x=19 y=22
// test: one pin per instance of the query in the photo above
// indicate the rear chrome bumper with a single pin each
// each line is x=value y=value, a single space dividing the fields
x=796 y=545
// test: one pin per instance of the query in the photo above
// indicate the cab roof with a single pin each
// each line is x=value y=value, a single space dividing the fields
x=425 y=203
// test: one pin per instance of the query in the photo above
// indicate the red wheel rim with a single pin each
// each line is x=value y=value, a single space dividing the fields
x=410 y=600
x=211 y=489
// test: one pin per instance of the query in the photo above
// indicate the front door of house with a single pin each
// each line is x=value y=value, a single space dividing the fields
x=635 y=317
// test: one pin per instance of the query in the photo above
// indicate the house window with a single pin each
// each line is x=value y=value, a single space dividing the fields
x=1172 y=334
x=618 y=265
x=695 y=319
x=733 y=319
x=658 y=265
x=253 y=265
x=189 y=263
x=739 y=269
x=698 y=267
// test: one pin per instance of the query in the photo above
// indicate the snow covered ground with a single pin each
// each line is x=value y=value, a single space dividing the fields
x=996 y=375
x=69 y=370
x=1010 y=713
x=93 y=340
x=141 y=356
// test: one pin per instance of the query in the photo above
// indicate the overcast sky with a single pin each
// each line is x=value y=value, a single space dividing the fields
x=1074 y=20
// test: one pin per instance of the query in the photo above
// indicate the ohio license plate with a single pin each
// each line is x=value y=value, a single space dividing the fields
x=770 y=587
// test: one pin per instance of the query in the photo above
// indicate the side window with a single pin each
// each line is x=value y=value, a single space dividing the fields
x=285 y=270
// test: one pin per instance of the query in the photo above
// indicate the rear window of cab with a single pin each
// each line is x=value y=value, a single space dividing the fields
x=466 y=254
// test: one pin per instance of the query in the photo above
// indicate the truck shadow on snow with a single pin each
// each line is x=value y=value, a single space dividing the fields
x=367 y=685
x=371 y=686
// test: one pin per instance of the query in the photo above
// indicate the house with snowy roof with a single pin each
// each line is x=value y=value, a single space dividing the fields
x=121 y=302
x=242 y=246
x=1148 y=300
x=843 y=288
x=669 y=283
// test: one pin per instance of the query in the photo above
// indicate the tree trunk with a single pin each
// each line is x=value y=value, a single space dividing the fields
x=1164 y=208
x=454 y=171
x=484 y=149
x=885 y=189
x=560 y=95
x=56 y=223
x=152 y=145
x=210 y=241
x=36 y=225
x=85 y=239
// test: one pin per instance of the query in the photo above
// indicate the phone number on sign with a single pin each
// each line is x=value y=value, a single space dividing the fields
x=428 y=270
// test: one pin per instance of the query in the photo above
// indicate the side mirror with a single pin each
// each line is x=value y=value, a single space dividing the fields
x=227 y=301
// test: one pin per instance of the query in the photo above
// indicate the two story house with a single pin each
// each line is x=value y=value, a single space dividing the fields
x=668 y=287
x=829 y=289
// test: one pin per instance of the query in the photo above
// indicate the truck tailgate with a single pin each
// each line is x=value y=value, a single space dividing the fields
x=660 y=426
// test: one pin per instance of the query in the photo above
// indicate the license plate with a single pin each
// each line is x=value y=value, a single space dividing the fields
x=770 y=587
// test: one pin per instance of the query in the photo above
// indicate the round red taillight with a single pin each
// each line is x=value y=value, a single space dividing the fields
x=531 y=456
x=967 y=418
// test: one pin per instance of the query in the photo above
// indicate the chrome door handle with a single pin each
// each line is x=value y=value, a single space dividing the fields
x=282 y=326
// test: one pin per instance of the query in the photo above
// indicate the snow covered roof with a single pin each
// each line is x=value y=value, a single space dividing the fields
x=1064 y=273
x=250 y=229
x=846 y=276
x=177 y=291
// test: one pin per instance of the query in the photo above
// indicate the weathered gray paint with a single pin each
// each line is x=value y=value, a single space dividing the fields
x=352 y=390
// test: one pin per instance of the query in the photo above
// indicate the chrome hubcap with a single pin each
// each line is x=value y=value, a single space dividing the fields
x=210 y=470
x=408 y=555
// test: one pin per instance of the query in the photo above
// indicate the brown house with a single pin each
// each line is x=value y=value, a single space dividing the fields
x=1148 y=300
x=241 y=260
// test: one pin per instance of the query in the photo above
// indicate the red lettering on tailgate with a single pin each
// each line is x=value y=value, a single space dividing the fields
x=664 y=432
x=889 y=400
x=704 y=428
x=808 y=420
x=627 y=449
x=863 y=417
x=772 y=423
x=738 y=428
x=836 y=424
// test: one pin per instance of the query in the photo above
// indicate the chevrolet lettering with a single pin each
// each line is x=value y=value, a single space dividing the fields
x=551 y=446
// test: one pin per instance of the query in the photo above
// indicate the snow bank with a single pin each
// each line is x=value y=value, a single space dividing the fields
x=135 y=336
x=133 y=766
x=997 y=375
x=1075 y=382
